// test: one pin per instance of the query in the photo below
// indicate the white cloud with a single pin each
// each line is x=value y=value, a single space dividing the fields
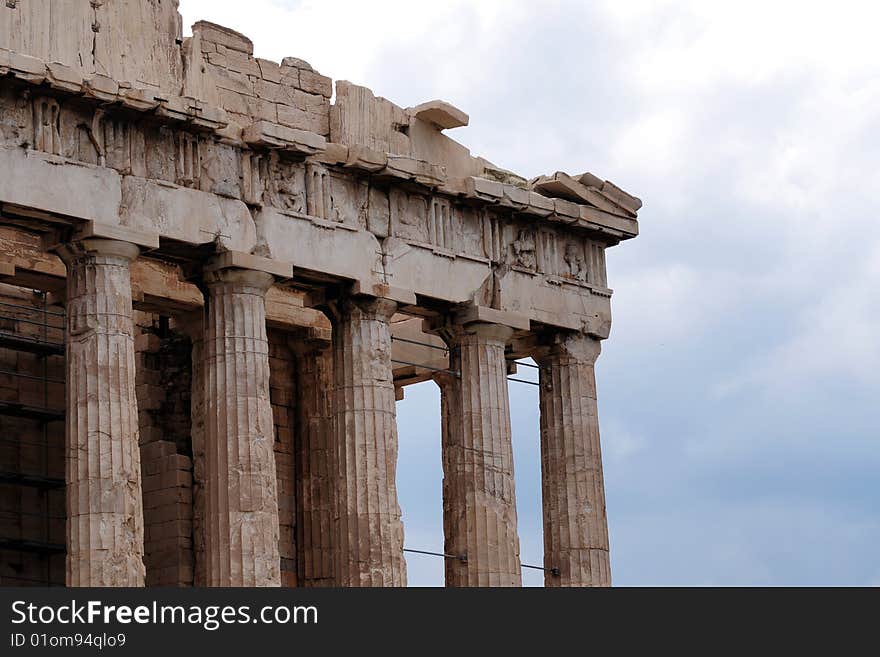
x=836 y=339
x=619 y=444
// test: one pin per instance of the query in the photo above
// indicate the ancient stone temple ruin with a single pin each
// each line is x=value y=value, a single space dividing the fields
x=217 y=275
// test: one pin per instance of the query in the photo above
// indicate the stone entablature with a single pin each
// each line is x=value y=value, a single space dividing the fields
x=407 y=210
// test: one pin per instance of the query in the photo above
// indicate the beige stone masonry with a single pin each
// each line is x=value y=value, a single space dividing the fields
x=479 y=502
x=369 y=531
x=241 y=506
x=573 y=490
x=128 y=40
x=168 y=507
x=315 y=464
x=105 y=541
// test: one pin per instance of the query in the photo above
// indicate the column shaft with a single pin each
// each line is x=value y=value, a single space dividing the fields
x=369 y=530
x=315 y=478
x=575 y=523
x=479 y=503
x=105 y=526
x=241 y=505
x=196 y=331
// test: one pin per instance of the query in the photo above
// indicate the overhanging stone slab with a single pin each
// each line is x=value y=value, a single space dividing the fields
x=482 y=314
x=240 y=260
x=52 y=184
x=441 y=114
x=265 y=133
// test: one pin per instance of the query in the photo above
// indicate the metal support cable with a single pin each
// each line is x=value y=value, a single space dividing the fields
x=463 y=559
x=531 y=383
x=427 y=367
x=552 y=571
x=423 y=344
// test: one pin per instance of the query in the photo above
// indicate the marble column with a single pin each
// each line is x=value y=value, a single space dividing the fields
x=193 y=325
x=315 y=478
x=479 y=501
x=369 y=530
x=573 y=490
x=447 y=383
x=240 y=488
x=105 y=520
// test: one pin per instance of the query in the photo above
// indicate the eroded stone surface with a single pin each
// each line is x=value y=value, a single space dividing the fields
x=193 y=325
x=572 y=486
x=127 y=40
x=316 y=480
x=241 y=505
x=105 y=542
x=479 y=501
x=369 y=532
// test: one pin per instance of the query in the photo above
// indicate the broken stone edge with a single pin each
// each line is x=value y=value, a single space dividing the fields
x=615 y=220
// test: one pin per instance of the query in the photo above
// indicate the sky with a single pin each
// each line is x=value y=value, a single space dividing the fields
x=738 y=390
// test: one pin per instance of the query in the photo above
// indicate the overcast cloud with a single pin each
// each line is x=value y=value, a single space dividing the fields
x=738 y=392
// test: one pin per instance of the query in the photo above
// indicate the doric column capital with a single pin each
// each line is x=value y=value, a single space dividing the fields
x=484 y=324
x=70 y=252
x=444 y=380
x=260 y=281
x=251 y=273
x=456 y=334
x=573 y=346
x=484 y=331
x=361 y=306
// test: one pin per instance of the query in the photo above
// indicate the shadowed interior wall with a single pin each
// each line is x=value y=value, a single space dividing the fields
x=32 y=511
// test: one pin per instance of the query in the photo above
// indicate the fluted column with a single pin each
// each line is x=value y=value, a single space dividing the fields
x=105 y=520
x=479 y=502
x=315 y=477
x=240 y=489
x=573 y=489
x=369 y=531
x=448 y=385
x=193 y=325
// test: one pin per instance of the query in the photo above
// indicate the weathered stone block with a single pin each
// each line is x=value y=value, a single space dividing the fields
x=315 y=83
x=270 y=71
x=304 y=120
x=223 y=36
